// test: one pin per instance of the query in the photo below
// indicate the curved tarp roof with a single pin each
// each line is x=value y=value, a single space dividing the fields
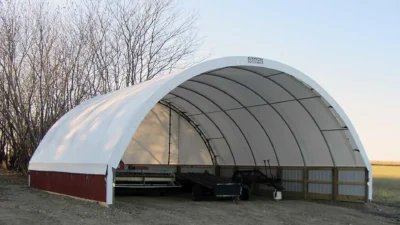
x=249 y=108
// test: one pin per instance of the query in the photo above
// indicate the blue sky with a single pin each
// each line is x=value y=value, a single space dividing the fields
x=351 y=48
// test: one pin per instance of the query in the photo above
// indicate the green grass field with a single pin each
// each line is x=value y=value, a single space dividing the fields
x=386 y=184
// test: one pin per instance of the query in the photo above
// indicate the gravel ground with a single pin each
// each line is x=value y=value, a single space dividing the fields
x=20 y=204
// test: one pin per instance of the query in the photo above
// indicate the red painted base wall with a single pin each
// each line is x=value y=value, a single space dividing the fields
x=86 y=186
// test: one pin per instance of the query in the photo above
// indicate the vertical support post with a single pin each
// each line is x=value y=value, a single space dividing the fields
x=367 y=183
x=279 y=172
x=217 y=170
x=305 y=182
x=169 y=136
x=335 y=178
x=110 y=186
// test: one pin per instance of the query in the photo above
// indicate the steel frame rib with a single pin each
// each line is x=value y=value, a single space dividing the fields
x=212 y=121
x=244 y=107
x=193 y=124
x=273 y=108
x=240 y=130
x=302 y=105
x=253 y=106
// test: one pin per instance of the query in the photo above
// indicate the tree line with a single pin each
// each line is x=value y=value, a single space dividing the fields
x=53 y=57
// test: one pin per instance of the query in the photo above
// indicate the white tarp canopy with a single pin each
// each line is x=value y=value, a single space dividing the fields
x=250 y=109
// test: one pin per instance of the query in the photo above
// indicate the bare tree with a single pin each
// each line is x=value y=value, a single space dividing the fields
x=54 y=57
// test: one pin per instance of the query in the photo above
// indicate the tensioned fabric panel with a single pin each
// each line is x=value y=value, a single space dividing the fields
x=315 y=150
x=209 y=128
x=188 y=107
x=239 y=92
x=285 y=144
x=266 y=88
x=259 y=142
x=197 y=100
x=150 y=144
x=220 y=99
x=321 y=114
x=221 y=148
x=235 y=138
x=192 y=150
x=294 y=87
x=263 y=71
x=341 y=149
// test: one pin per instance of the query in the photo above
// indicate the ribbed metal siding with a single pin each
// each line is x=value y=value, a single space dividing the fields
x=351 y=176
x=86 y=186
x=292 y=174
x=320 y=188
x=354 y=190
x=295 y=175
x=292 y=186
x=320 y=175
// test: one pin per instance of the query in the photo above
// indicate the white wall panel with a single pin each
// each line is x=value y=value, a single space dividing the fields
x=353 y=190
x=319 y=175
x=294 y=86
x=320 y=188
x=292 y=174
x=340 y=147
x=286 y=148
x=197 y=100
x=351 y=176
x=314 y=148
x=149 y=145
x=238 y=91
x=192 y=150
x=184 y=106
x=258 y=140
x=321 y=113
x=271 y=91
x=221 y=149
x=292 y=186
x=235 y=138
x=207 y=126
x=221 y=99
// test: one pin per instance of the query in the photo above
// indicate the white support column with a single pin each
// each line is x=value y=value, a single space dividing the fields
x=110 y=186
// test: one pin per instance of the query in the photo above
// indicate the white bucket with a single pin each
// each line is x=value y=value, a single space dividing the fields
x=277 y=195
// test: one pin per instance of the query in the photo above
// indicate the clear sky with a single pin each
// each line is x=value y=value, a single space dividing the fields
x=351 y=48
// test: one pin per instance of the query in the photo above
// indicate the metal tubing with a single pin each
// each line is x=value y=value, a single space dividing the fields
x=240 y=130
x=268 y=103
x=291 y=94
x=244 y=107
x=195 y=126
x=212 y=121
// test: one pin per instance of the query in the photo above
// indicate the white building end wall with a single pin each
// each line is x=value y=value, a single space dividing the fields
x=151 y=143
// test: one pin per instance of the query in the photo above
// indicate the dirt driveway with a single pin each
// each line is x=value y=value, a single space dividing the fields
x=22 y=205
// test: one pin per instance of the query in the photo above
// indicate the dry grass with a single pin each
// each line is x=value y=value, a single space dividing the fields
x=386 y=184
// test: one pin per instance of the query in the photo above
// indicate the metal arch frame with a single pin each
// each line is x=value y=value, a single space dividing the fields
x=291 y=94
x=270 y=104
x=244 y=107
x=170 y=106
x=253 y=106
x=247 y=141
x=212 y=121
